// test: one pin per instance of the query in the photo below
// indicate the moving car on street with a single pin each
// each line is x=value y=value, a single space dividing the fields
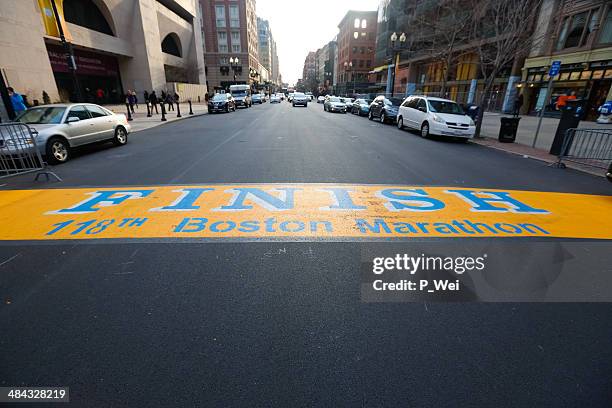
x=385 y=109
x=435 y=116
x=62 y=127
x=334 y=104
x=221 y=102
x=257 y=98
x=320 y=99
x=300 y=98
x=361 y=107
x=242 y=95
x=275 y=98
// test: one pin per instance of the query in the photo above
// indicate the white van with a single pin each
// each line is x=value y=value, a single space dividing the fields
x=242 y=95
x=435 y=116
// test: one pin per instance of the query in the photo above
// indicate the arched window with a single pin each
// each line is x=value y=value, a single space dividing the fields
x=356 y=25
x=86 y=13
x=172 y=45
x=364 y=23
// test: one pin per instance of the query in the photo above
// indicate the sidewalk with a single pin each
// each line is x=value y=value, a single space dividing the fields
x=527 y=129
x=141 y=121
x=525 y=135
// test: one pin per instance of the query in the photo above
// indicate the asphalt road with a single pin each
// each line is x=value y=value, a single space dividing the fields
x=273 y=323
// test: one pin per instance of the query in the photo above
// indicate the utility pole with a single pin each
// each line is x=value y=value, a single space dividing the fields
x=69 y=54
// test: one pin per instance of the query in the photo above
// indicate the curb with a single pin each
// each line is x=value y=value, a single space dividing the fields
x=160 y=123
x=527 y=156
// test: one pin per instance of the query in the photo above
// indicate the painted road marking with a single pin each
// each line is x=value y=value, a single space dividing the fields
x=299 y=210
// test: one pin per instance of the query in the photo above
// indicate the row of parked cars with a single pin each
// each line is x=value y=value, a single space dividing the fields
x=429 y=115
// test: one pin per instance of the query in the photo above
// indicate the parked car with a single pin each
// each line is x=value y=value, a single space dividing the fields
x=256 y=98
x=384 y=108
x=62 y=127
x=348 y=101
x=300 y=98
x=320 y=99
x=334 y=104
x=435 y=116
x=275 y=98
x=361 y=107
x=242 y=95
x=221 y=102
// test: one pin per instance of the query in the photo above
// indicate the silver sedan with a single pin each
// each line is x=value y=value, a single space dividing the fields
x=59 y=128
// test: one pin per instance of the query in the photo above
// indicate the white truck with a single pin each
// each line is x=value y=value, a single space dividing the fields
x=242 y=95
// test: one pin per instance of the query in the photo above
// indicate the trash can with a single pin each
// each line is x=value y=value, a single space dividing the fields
x=570 y=119
x=507 y=130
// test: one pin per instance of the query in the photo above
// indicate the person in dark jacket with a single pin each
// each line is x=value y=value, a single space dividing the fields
x=146 y=97
x=153 y=101
x=170 y=101
x=518 y=104
x=131 y=99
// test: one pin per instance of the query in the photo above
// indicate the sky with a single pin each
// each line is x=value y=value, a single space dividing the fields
x=301 y=26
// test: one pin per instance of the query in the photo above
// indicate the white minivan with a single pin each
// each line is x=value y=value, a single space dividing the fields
x=435 y=116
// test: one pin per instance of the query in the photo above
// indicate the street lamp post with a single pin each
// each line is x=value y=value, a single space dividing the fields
x=69 y=53
x=349 y=66
x=235 y=64
x=396 y=54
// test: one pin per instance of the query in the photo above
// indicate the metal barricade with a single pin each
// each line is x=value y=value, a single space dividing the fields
x=591 y=147
x=19 y=153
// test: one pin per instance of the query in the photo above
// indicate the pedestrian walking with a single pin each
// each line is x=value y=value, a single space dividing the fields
x=135 y=98
x=99 y=96
x=170 y=102
x=176 y=97
x=153 y=100
x=518 y=104
x=146 y=97
x=16 y=100
x=131 y=99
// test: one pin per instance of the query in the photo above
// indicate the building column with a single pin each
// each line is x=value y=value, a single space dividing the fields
x=472 y=92
x=511 y=89
x=411 y=79
x=390 y=69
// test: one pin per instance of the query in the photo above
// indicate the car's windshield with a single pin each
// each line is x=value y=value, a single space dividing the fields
x=239 y=93
x=335 y=99
x=219 y=97
x=445 y=107
x=394 y=101
x=42 y=115
x=299 y=95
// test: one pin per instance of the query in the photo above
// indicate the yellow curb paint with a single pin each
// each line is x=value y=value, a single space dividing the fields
x=299 y=210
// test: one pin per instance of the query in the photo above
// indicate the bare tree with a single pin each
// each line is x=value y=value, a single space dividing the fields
x=501 y=33
x=442 y=32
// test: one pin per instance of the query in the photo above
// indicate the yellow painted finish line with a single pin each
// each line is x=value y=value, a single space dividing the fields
x=299 y=210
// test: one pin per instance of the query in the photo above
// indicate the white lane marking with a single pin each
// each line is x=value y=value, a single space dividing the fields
x=10 y=259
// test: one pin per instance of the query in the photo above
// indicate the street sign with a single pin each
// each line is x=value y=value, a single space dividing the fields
x=554 y=68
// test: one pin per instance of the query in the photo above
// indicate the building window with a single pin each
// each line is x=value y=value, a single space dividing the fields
x=356 y=25
x=575 y=30
x=220 y=15
x=355 y=35
x=236 y=47
x=222 y=40
x=172 y=45
x=86 y=13
x=234 y=16
x=363 y=34
x=364 y=23
x=606 y=29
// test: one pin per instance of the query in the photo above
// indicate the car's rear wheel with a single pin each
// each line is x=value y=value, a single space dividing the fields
x=425 y=130
x=57 y=151
x=400 y=123
x=120 y=136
